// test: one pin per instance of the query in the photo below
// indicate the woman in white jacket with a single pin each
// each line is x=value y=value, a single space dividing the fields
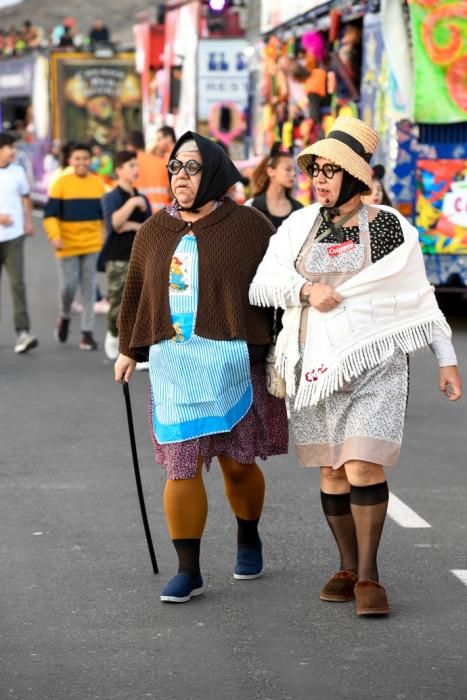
x=353 y=285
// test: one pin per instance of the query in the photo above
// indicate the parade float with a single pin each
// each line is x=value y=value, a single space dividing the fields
x=400 y=65
x=68 y=96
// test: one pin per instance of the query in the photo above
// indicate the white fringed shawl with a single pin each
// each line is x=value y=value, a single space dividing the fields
x=387 y=305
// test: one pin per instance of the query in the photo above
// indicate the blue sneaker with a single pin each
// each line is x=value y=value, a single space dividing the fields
x=181 y=588
x=249 y=563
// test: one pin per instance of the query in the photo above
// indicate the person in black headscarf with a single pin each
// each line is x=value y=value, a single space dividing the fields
x=185 y=307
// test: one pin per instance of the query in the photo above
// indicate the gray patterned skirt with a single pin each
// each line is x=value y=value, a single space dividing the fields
x=363 y=421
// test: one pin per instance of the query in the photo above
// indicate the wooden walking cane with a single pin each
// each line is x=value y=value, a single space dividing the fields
x=139 y=487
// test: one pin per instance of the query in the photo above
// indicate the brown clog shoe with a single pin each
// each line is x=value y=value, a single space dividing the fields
x=371 y=598
x=339 y=588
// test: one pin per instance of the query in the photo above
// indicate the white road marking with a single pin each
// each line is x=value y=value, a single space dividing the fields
x=461 y=575
x=403 y=515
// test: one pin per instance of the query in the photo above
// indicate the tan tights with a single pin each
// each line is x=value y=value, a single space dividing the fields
x=243 y=487
x=186 y=503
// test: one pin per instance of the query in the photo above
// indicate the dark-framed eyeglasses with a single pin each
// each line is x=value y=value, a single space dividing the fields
x=328 y=170
x=191 y=166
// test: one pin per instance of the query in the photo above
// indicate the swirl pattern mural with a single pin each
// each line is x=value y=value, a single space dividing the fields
x=439 y=29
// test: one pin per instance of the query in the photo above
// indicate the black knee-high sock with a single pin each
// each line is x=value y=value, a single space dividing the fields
x=369 y=505
x=247 y=533
x=336 y=508
x=188 y=556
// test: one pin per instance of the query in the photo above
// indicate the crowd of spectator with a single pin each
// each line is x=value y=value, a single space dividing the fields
x=67 y=35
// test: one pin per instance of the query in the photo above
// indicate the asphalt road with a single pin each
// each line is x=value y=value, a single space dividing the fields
x=80 y=614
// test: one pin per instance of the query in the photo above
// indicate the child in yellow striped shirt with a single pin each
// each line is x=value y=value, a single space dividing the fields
x=73 y=221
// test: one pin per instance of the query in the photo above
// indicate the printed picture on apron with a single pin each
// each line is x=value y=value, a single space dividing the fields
x=178 y=337
x=180 y=274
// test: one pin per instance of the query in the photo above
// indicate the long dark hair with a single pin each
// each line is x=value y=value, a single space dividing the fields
x=65 y=151
x=260 y=179
x=379 y=172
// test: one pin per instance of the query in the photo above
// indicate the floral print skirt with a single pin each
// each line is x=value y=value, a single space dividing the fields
x=263 y=432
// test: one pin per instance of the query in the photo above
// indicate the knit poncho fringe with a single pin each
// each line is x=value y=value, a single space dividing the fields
x=360 y=359
x=388 y=305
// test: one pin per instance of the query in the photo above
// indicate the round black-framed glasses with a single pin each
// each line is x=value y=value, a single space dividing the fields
x=328 y=170
x=192 y=167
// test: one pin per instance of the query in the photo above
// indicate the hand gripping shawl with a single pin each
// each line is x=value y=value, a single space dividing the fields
x=387 y=305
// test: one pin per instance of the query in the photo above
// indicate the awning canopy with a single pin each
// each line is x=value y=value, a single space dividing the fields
x=16 y=77
x=278 y=16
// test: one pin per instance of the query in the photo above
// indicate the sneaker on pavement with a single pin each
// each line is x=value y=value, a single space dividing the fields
x=102 y=306
x=24 y=342
x=249 y=563
x=76 y=307
x=140 y=366
x=61 y=331
x=87 y=342
x=181 y=588
x=111 y=346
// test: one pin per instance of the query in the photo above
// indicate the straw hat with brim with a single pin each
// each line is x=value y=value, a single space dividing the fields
x=350 y=145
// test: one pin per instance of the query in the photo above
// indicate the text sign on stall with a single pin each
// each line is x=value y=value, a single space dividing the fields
x=442 y=205
x=222 y=74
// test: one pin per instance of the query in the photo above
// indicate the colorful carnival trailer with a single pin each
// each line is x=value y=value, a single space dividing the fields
x=422 y=116
x=68 y=96
x=400 y=65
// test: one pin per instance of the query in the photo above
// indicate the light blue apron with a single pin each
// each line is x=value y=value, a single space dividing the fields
x=199 y=386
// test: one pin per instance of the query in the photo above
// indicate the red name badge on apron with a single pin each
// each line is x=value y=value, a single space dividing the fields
x=340 y=248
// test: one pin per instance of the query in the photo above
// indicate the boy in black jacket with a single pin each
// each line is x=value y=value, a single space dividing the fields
x=124 y=212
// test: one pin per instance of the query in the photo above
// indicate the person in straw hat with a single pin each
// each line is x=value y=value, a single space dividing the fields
x=352 y=282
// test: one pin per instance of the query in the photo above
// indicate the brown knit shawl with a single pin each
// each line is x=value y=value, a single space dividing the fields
x=232 y=241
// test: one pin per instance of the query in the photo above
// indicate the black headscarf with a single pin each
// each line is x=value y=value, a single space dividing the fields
x=350 y=186
x=218 y=173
